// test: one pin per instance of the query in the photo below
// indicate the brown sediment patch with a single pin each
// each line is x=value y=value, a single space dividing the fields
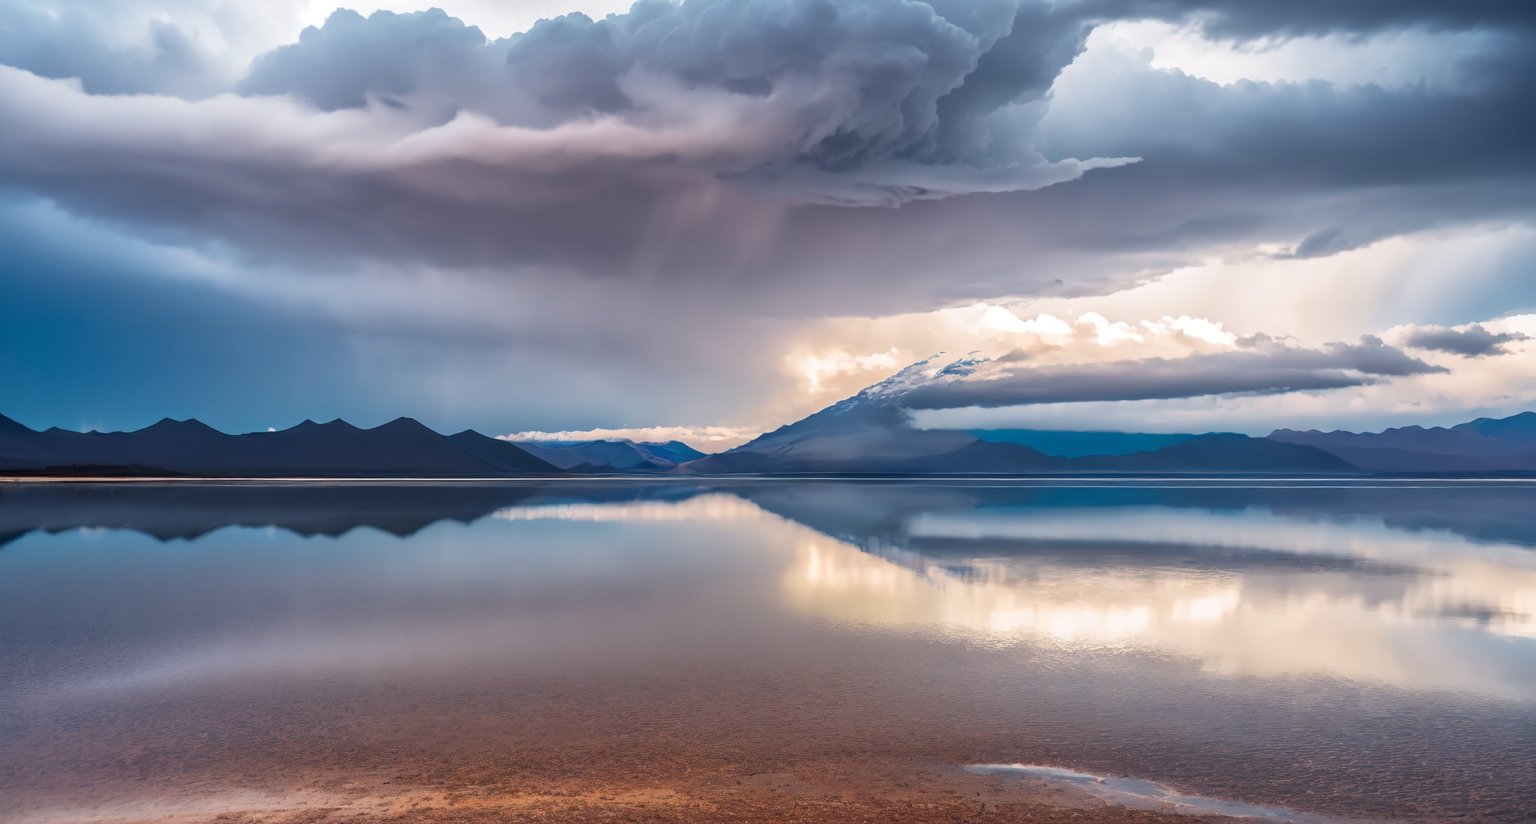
x=850 y=789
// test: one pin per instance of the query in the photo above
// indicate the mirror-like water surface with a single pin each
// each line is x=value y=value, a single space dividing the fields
x=1349 y=650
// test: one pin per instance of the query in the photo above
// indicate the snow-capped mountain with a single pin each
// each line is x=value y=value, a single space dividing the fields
x=872 y=433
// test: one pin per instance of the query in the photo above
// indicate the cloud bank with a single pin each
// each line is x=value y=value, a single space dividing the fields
x=1254 y=366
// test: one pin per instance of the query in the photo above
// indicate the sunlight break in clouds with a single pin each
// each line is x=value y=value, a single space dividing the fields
x=706 y=438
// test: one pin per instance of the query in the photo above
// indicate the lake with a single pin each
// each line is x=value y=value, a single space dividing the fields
x=796 y=649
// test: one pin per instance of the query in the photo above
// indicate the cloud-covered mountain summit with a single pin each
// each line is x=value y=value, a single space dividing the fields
x=872 y=433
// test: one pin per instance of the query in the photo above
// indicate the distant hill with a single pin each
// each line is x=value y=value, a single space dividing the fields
x=612 y=456
x=401 y=448
x=1077 y=444
x=1515 y=432
x=1483 y=445
x=1224 y=454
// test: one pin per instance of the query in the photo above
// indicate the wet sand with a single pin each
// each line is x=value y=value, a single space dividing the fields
x=849 y=737
x=853 y=790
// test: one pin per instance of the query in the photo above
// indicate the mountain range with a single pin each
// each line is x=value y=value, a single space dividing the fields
x=866 y=434
x=612 y=456
x=1483 y=445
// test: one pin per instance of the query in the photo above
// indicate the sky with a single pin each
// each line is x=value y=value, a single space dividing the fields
x=704 y=219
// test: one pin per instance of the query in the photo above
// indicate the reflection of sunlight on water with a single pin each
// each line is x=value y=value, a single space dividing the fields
x=839 y=580
x=1147 y=795
x=711 y=507
x=1493 y=598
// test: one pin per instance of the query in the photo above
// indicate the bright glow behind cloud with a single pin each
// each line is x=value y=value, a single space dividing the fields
x=704 y=438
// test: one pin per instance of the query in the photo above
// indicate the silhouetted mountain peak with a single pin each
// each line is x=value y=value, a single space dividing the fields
x=186 y=428
x=1525 y=421
x=333 y=425
x=404 y=425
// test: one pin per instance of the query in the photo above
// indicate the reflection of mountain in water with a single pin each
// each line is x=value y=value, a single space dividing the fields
x=866 y=514
x=1413 y=585
x=187 y=511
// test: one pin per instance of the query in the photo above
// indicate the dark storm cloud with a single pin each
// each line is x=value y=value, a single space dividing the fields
x=880 y=67
x=675 y=141
x=1262 y=366
x=351 y=58
x=1238 y=19
x=1475 y=341
x=1320 y=166
x=715 y=147
x=100 y=329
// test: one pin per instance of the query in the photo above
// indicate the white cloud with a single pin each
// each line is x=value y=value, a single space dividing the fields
x=818 y=367
x=1198 y=328
x=1048 y=327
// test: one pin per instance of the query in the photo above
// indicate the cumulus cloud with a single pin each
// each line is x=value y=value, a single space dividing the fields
x=818 y=367
x=1471 y=341
x=352 y=59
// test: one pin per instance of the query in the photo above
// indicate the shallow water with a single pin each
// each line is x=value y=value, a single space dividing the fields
x=1143 y=794
x=1358 y=650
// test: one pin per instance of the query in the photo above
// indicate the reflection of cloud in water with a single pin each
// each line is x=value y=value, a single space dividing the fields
x=1416 y=633
x=839 y=580
x=1352 y=599
x=1491 y=584
x=710 y=507
x=1258 y=529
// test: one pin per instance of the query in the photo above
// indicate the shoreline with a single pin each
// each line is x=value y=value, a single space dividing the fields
x=1342 y=480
